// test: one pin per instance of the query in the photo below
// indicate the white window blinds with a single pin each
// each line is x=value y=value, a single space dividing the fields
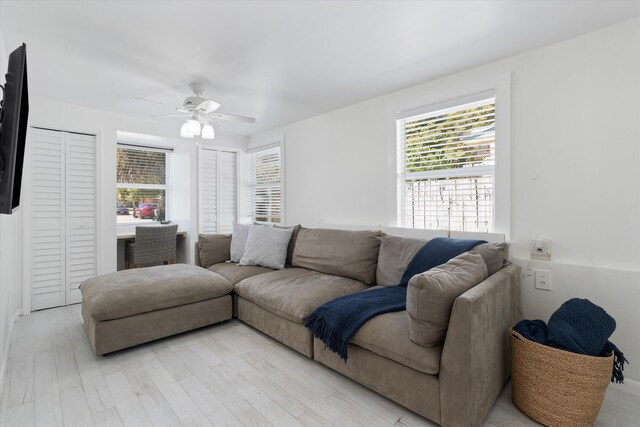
x=447 y=168
x=266 y=185
x=218 y=188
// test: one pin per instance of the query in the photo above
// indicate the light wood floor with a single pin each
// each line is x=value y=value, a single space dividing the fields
x=222 y=375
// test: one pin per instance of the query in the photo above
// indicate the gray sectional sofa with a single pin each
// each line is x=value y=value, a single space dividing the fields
x=453 y=383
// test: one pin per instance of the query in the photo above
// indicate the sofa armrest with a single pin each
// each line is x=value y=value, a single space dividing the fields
x=475 y=358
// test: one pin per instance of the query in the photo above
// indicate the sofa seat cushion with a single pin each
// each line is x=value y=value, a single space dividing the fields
x=130 y=292
x=387 y=335
x=235 y=273
x=294 y=293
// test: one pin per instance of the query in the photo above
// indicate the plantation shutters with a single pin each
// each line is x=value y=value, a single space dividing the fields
x=218 y=190
x=81 y=212
x=63 y=216
x=266 y=185
x=47 y=219
x=447 y=168
x=228 y=203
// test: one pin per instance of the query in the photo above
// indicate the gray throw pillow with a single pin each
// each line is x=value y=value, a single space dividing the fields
x=267 y=246
x=238 y=241
x=430 y=296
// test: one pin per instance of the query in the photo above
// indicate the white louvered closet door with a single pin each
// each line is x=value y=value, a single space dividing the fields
x=47 y=219
x=81 y=212
x=63 y=216
x=218 y=188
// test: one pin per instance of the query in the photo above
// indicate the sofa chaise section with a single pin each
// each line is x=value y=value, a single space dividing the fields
x=132 y=307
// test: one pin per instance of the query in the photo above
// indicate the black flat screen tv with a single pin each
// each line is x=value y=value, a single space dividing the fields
x=14 y=113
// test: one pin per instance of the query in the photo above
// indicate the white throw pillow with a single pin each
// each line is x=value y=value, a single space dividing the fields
x=238 y=241
x=267 y=246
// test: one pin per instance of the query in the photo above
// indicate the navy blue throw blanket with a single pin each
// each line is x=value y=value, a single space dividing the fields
x=578 y=326
x=337 y=321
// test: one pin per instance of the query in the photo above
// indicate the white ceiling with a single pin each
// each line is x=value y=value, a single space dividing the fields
x=277 y=61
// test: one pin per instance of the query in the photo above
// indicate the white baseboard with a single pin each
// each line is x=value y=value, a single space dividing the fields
x=5 y=351
x=630 y=387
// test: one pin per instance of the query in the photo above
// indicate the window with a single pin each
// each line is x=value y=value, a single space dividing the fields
x=218 y=188
x=446 y=170
x=266 y=184
x=141 y=184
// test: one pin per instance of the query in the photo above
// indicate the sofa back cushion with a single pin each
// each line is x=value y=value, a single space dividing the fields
x=214 y=248
x=430 y=296
x=395 y=254
x=493 y=254
x=352 y=254
x=292 y=242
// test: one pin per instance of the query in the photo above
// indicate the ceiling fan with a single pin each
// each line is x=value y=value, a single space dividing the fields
x=198 y=111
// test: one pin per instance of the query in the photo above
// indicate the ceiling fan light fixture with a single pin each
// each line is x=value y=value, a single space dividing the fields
x=184 y=131
x=208 y=132
x=193 y=126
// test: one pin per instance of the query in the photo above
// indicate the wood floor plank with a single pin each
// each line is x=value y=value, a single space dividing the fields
x=356 y=412
x=172 y=363
x=185 y=409
x=309 y=390
x=66 y=367
x=98 y=395
x=107 y=418
x=267 y=407
x=210 y=406
x=75 y=409
x=224 y=392
x=18 y=416
x=158 y=410
x=126 y=401
x=47 y=405
x=20 y=387
x=227 y=374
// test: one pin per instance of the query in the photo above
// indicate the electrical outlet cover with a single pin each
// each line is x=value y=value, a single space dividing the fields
x=543 y=279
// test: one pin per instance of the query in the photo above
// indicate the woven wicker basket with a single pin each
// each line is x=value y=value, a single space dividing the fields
x=557 y=387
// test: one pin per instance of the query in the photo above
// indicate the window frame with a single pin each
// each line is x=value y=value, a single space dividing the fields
x=500 y=89
x=277 y=142
x=167 y=179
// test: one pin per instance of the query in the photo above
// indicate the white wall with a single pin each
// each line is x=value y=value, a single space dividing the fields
x=575 y=157
x=55 y=115
x=10 y=263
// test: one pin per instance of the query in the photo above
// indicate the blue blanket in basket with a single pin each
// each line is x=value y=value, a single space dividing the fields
x=578 y=326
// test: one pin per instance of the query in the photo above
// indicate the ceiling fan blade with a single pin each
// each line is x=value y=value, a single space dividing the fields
x=156 y=102
x=168 y=115
x=231 y=117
